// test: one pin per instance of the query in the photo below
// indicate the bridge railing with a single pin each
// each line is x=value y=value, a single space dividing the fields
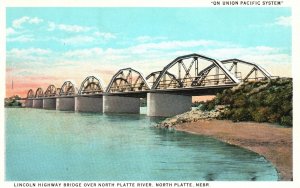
x=126 y=87
x=91 y=92
x=210 y=80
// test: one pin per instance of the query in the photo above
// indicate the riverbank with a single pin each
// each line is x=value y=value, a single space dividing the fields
x=271 y=141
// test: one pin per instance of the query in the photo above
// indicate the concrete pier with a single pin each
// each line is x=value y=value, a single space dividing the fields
x=49 y=103
x=161 y=104
x=37 y=103
x=65 y=103
x=28 y=103
x=117 y=104
x=89 y=104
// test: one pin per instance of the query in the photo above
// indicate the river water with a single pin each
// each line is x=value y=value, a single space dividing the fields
x=50 y=145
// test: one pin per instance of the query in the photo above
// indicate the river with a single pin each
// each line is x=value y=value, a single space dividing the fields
x=46 y=145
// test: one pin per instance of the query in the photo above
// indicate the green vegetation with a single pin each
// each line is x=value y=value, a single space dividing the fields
x=12 y=101
x=264 y=101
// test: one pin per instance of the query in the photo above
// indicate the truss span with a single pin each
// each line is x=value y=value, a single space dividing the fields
x=246 y=71
x=57 y=91
x=91 y=85
x=30 y=94
x=194 y=70
x=50 y=91
x=39 y=93
x=174 y=83
x=127 y=80
x=67 y=89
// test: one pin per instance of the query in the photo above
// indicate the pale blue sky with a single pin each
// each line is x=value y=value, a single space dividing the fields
x=74 y=42
x=243 y=26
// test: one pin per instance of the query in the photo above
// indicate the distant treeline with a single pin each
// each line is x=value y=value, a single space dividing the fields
x=12 y=101
x=264 y=101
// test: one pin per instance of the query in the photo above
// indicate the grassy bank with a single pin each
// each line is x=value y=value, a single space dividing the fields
x=264 y=101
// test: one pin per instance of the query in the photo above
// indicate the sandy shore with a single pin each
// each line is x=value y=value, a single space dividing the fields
x=271 y=141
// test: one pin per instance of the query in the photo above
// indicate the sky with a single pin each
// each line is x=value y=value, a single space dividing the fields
x=51 y=45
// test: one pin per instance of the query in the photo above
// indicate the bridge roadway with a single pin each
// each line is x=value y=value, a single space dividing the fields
x=169 y=91
x=164 y=102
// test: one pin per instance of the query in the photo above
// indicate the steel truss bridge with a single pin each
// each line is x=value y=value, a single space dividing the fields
x=191 y=74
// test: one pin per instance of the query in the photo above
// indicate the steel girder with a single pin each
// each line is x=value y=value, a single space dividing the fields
x=67 y=89
x=30 y=94
x=91 y=85
x=127 y=80
x=254 y=68
x=193 y=80
x=39 y=93
x=50 y=91
x=174 y=82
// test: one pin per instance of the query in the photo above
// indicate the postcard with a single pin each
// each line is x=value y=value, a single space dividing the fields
x=126 y=94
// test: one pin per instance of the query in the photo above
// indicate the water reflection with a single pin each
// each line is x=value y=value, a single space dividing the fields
x=87 y=146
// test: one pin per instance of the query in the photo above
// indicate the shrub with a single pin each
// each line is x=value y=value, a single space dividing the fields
x=261 y=114
x=264 y=101
x=286 y=121
x=240 y=114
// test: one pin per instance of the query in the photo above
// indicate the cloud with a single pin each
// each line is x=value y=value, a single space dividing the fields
x=143 y=39
x=29 y=57
x=10 y=31
x=97 y=55
x=81 y=40
x=17 y=23
x=283 y=21
x=68 y=28
x=258 y=54
x=29 y=51
x=170 y=45
x=35 y=20
x=21 y=38
x=164 y=51
x=84 y=53
x=76 y=35
x=105 y=35
x=78 y=40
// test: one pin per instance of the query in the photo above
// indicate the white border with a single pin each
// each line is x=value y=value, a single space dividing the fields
x=295 y=4
x=128 y=3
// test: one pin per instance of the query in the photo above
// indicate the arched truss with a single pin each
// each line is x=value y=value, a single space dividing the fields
x=127 y=80
x=91 y=85
x=67 y=89
x=57 y=91
x=174 y=83
x=246 y=71
x=39 y=93
x=30 y=94
x=187 y=71
x=50 y=91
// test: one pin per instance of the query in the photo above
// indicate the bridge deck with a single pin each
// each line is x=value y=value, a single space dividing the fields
x=190 y=91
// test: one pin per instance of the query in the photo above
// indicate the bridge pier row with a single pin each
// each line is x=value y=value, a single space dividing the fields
x=49 y=104
x=28 y=103
x=65 y=103
x=89 y=104
x=117 y=104
x=37 y=103
x=161 y=104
